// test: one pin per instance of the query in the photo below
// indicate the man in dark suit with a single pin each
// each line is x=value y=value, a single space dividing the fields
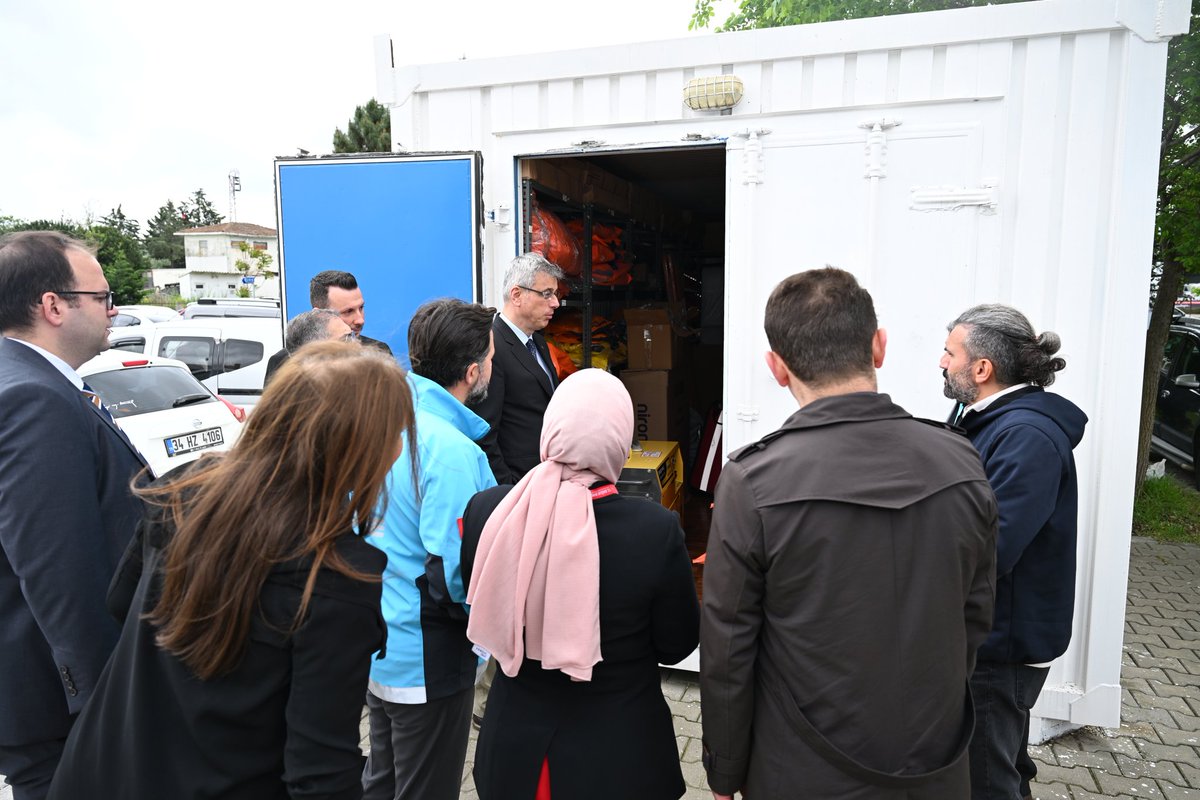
x=522 y=372
x=339 y=292
x=66 y=512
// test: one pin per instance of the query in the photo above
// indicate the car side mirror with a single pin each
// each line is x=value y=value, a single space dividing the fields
x=1187 y=381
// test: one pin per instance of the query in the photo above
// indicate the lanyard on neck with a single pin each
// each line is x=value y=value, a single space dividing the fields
x=603 y=491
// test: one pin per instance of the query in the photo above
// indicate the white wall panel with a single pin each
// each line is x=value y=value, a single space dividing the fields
x=786 y=84
x=827 y=85
x=871 y=85
x=916 y=74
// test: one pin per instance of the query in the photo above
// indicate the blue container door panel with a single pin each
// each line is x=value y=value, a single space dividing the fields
x=406 y=227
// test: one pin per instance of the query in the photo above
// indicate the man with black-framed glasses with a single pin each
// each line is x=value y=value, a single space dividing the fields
x=523 y=376
x=66 y=512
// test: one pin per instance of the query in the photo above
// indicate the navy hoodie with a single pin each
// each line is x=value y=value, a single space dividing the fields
x=1025 y=440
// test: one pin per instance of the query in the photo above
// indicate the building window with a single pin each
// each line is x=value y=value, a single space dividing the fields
x=260 y=245
x=203 y=247
x=199 y=285
x=233 y=244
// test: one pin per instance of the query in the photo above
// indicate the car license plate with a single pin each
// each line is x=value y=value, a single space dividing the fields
x=190 y=442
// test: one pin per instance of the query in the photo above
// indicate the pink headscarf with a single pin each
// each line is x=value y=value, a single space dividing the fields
x=535 y=586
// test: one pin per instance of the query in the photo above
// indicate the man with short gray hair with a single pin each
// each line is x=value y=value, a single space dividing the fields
x=995 y=365
x=315 y=325
x=523 y=376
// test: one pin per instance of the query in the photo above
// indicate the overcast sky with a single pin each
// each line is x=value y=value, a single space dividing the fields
x=141 y=101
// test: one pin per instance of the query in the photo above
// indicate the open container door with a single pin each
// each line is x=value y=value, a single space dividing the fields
x=407 y=227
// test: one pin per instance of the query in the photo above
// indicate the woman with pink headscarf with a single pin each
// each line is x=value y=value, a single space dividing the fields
x=579 y=593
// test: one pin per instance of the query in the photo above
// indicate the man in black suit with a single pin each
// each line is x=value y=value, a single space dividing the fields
x=523 y=375
x=339 y=292
x=66 y=512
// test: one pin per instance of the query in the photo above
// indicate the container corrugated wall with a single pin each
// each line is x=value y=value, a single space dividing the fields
x=1053 y=106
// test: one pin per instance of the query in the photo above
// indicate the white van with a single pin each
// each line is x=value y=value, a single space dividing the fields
x=228 y=355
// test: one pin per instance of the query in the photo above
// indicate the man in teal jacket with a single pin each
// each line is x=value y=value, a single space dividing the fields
x=421 y=687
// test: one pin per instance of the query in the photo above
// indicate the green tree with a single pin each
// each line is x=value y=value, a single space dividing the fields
x=776 y=13
x=198 y=211
x=254 y=263
x=369 y=131
x=124 y=225
x=123 y=260
x=1177 y=229
x=118 y=249
x=162 y=245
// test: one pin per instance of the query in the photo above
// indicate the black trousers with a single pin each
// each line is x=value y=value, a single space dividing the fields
x=29 y=768
x=1001 y=768
x=417 y=750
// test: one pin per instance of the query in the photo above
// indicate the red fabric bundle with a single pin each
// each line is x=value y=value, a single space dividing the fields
x=554 y=242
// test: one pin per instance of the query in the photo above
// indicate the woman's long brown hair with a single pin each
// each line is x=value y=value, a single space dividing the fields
x=310 y=466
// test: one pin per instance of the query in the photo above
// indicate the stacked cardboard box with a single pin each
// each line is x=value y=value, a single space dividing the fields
x=659 y=406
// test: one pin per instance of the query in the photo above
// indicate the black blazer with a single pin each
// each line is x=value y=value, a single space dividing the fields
x=276 y=361
x=66 y=514
x=517 y=398
x=367 y=341
x=284 y=723
x=619 y=719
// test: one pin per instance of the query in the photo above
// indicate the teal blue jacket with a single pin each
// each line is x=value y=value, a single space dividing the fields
x=424 y=601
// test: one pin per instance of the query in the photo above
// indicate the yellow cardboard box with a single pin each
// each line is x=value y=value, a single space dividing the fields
x=656 y=473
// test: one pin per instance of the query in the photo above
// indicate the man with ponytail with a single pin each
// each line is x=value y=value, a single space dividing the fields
x=996 y=366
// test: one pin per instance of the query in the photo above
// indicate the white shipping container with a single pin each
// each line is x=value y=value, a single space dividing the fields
x=996 y=154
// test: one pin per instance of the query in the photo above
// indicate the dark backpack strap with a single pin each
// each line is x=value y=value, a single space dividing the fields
x=771 y=679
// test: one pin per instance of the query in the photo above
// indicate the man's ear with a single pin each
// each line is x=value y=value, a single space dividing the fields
x=984 y=371
x=779 y=369
x=878 y=347
x=471 y=376
x=52 y=308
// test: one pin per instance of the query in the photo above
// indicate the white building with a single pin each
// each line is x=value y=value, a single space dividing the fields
x=211 y=254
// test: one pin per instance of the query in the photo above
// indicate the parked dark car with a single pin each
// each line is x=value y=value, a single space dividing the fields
x=1177 y=410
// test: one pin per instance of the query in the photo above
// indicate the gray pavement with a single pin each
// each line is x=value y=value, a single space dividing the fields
x=1155 y=753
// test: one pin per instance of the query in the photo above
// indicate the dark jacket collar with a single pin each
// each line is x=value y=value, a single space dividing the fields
x=840 y=408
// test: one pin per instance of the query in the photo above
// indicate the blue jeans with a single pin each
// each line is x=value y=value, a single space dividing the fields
x=1001 y=768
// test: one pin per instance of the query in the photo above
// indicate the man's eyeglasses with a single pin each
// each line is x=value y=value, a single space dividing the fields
x=107 y=297
x=545 y=293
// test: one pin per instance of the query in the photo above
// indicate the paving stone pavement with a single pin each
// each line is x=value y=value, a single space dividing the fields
x=1155 y=753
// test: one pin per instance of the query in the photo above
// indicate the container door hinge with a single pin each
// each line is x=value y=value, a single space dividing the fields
x=752 y=160
x=876 y=145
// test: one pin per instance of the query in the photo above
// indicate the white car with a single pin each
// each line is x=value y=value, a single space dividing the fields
x=228 y=355
x=136 y=320
x=129 y=316
x=169 y=416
